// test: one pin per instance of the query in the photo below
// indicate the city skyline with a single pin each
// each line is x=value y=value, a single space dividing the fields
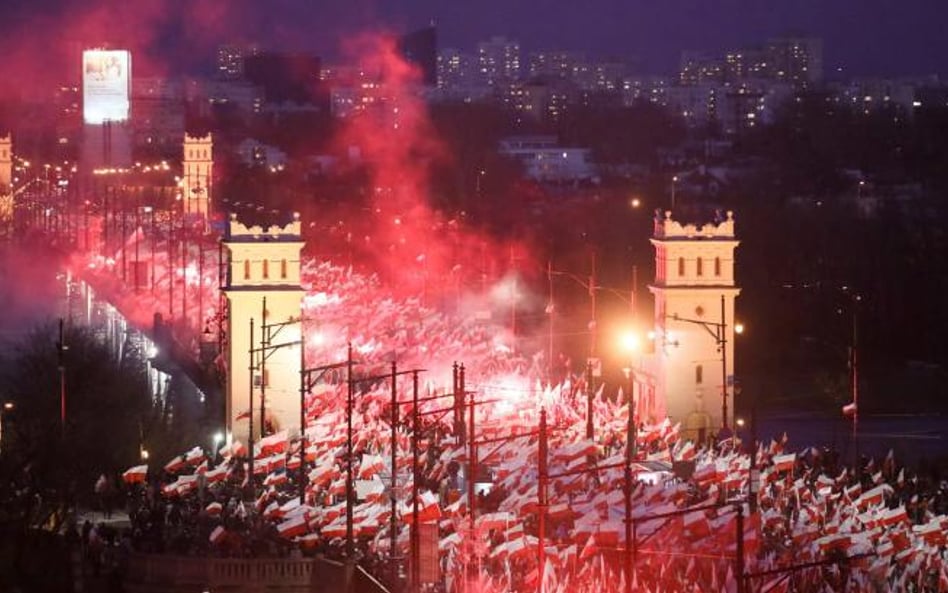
x=865 y=38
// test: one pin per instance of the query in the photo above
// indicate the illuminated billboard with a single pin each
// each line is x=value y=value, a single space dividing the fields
x=106 y=75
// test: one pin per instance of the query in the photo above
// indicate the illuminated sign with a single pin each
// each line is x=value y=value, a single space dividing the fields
x=106 y=75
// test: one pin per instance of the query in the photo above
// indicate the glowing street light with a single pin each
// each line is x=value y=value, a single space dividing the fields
x=7 y=407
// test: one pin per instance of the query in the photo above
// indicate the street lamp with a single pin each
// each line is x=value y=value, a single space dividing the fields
x=718 y=331
x=7 y=407
x=151 y=243
x=673 y=187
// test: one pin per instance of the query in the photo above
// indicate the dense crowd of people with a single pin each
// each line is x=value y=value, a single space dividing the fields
x=815 y=524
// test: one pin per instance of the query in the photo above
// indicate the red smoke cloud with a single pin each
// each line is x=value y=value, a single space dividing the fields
x=409 y=242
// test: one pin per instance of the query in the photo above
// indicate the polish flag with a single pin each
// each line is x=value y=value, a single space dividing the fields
x=371 y=465
x=696 y=524
x=175 y=465
x=135 y=475
x=293 y=527
x=873 y=497
x=186 y=484
x=218 y=474
x=850 y=409
x=894 y=516
x=308 y=541
x=498 y=520
x=834 y=542
x=235 y=449
x=214 y=509
x=195 y=456
x=885 y=548
x=576 y=451
x=275 y=443
x=217 y=535
x=429 y=507
x=686 y=452
x=276 y=478
x=560 y=512
x=783 y=463
x=932 y=532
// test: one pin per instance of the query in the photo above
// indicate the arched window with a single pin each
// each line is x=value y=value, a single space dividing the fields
x=717 y=266
x=699 y=266
x=681 y=266
x=246 y=269
x=699 y=374
x=266 y=269
x=283 y=269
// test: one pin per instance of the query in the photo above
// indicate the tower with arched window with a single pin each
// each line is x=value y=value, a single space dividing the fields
x=6 y=181
x=694 y=291
x=197 y=168
x=262 y=288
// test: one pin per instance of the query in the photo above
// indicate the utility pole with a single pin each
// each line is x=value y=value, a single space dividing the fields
x=551 y=310
x=61 y=348
x=630 y=453
x=593 y=322
x=264 y=344
x=350 y=550
x=393 y=484
x=722 y=344
x=542 y=503
x=303 y=390
x=458 y=405
x=415 y=531
x=739 y=569
x=251 y=368
x=590 y=390
x=855 y=383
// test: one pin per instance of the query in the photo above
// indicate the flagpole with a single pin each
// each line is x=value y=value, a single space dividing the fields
x=264 y=343
x=855 y=386
x=250 y=371
x=542 y=501
x=393 y=521
x=302 y=414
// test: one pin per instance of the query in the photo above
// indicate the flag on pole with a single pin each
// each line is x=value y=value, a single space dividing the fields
x=135 y=475
x=217 y=536
x=850 y=409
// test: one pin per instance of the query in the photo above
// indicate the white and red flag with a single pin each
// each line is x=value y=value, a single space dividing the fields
x=783 y=463
x=135 y=475
x=273 y=444
x=294 y=527
x=217 y=535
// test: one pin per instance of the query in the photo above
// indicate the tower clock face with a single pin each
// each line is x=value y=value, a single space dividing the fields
x=699 y=311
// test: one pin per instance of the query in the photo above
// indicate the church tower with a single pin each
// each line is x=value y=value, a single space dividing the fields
x=694 y=292
x=198 y=164
x=263 y=291
x=6 y=181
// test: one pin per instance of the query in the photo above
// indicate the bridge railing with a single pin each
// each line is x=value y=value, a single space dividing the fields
x=159 y=572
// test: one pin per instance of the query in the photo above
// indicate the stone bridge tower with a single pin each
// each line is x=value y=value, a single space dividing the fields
x=262 y=288
x=694 y=292
x=6 y=182
x=197 y=165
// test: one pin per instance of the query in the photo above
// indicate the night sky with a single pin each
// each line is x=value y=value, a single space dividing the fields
x=884 y=37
